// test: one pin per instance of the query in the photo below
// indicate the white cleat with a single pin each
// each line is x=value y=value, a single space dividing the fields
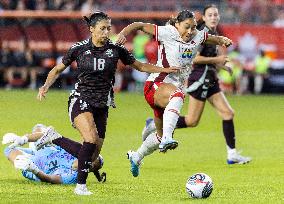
x=237 y=158
x=81 y=189
x=48 y=136
x=148 y=129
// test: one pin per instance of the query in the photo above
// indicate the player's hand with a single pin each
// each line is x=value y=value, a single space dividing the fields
x=228 y=67
x=9 y=138
x=224 y=41
x=42 y=92
x=23 y=162
x=171 y=70
x=19 y=141
x=121 y=39
x=222 y=59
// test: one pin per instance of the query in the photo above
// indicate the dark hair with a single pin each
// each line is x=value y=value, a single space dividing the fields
x=200 y=22
x=182 y=15
x=94 y=18
x=208 y=7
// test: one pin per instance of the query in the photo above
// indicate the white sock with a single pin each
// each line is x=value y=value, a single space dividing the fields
x=171 y=115
x=81 y=185
x=231 y=151
x=150 y=145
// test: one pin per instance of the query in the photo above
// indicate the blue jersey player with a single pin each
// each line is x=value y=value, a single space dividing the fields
x=50 y=163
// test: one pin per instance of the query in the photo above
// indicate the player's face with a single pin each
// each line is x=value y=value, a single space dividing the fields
x=101 y=31
x=211 y=17
x=186 y=29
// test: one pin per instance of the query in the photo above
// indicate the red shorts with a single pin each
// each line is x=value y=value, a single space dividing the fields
x=150 y=88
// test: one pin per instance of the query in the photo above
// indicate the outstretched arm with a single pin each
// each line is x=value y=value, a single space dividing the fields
x=219 y=40
x=52 y=76
x=145 y=27
x=145 y=67
x=221 y=59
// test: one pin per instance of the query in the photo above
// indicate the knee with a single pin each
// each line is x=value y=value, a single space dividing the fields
x=177 y=93
x=7 y=151
x=228 y=115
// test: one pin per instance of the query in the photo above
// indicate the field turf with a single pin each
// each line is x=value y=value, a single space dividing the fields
x=259 y=124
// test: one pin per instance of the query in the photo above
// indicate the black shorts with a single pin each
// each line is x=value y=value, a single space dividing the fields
x=77 y=106
x=205 y=91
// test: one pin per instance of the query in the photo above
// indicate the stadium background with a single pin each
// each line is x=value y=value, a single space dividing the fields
x=45 y=29
x=35 y=34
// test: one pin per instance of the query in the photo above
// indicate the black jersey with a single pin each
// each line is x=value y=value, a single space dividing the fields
x=96 y=68
x=206 y=50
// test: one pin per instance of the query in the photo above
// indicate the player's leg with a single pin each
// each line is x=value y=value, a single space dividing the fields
x=84 y=122
x=194 y=113
x=222 y=106
x=169 y=97
x=149 y=145
x=100 y=118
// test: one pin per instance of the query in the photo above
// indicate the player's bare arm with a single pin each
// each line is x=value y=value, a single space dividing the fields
x=221 y=59
x=219 y=40
x=51 y=78
x=145 y=67
x=145 y=27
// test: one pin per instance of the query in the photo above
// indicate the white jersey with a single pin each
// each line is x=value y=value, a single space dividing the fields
x=173 y=51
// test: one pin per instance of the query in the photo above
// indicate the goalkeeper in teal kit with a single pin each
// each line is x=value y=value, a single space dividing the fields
x=50 y=163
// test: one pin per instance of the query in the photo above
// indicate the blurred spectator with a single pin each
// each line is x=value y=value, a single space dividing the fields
x=89 y=6
x=262 y=63
x=34 y=67
x=7 y=60
x=230 y=15
x=248 y=52
x=17 y=73
x=139 y=42
x=279 y=22
x=231 y=83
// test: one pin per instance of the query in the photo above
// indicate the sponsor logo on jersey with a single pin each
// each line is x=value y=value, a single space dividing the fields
x=187 y=54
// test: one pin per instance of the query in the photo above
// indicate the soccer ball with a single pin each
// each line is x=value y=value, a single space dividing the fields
x=199 y=185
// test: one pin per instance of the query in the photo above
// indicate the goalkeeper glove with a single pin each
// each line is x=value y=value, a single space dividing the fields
x=25 y=163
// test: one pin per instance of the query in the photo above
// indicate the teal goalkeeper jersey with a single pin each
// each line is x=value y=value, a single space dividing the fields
x=53 y=160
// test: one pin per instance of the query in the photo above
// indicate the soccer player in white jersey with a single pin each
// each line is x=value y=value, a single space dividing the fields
x=179 y=42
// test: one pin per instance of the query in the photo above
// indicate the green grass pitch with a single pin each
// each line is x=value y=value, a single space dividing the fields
x=259 y=124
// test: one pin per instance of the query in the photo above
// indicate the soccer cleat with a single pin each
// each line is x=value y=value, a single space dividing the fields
x=148 y=129
x=237 y=158
x=134 y=166
x=48 y=136
x=164 y=146
x=81 y=189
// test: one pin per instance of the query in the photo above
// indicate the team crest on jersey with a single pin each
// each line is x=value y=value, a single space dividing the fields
x=109 y=53
x=83 y=105
x=187 y=54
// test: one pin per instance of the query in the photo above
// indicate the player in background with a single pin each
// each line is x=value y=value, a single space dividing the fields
x=179 y=42
x=203 y=85
x=88 y=104
x=50 y=163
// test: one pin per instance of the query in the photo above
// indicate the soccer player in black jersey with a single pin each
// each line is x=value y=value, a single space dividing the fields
x=203 y=85
x=88 y=104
